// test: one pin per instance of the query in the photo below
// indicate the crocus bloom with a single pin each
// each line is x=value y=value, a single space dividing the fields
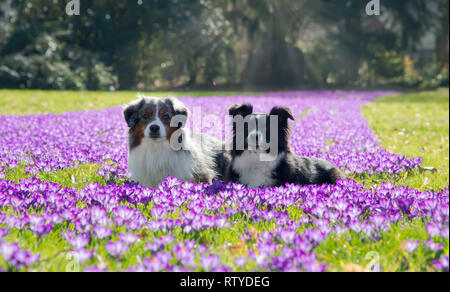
x=116 y=248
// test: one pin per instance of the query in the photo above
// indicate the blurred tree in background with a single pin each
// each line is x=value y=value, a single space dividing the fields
x=271 y=29
x=442 y=40
x=361 y=43
x=153 y=44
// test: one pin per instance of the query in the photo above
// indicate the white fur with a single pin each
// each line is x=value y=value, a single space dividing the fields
x=162 y=128
x=255 y=132
x=254 y=172
x=251 y=140
x=158 y=122
x=154 y=160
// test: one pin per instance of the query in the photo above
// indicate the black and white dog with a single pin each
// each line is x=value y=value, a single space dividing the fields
x=160 y=145
x=249 y=163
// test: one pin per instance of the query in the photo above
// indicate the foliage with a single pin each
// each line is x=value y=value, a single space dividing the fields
x=45 y=63
x=168 y=43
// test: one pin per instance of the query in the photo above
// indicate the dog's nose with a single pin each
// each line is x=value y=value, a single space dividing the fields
x=154 y=129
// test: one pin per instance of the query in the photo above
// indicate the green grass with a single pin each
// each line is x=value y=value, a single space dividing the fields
x=352 y=252
x=26 y=102
x=76 y=177
x=413 y=124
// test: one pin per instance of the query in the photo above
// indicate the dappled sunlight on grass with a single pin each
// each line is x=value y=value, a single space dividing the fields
x=27 y=102
x=415 y=124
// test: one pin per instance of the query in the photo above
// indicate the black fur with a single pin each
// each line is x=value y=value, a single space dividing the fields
x=179 y=109
x=241 y=110
x=291 y=168
x=131 y=113
x=222 y=161
x=221 y=156
x=306 y=171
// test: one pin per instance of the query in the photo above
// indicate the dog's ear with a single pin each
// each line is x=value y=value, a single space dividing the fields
x=284 y=113
x=179 y=109
x=240 y=110
x=131 y=112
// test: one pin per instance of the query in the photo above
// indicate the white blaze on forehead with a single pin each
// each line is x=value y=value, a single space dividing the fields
x=259 y=131
x=157 y=121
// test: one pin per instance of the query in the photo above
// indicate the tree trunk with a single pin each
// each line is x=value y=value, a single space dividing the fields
x=442 y=51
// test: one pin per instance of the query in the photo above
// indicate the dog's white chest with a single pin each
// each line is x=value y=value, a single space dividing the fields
x=152 y=162
x=253 y=171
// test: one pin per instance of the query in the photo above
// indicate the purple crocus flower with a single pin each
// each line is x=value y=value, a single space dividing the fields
x=83 y=255
x=433 y=246
x=102 y=232
x=411 y=246
x=159 y=262
x=240 y=262
x=209 y=262
x=41 y=229
x=97 y=214
x=221 y=269
x=24 y=258
x=79 y=241
x=432 y=229
x=116 y=249
x=288 y=236
x=128 y=238
x=3 y=233
x=185 y=255
x=8 y=250
x=442 y=264
x=94 y=269
x=158 y=212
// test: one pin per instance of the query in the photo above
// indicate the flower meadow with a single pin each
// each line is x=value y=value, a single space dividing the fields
x=114 y=224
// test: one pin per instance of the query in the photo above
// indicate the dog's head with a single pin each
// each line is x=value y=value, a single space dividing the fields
x=258 y=129
x=154 y=118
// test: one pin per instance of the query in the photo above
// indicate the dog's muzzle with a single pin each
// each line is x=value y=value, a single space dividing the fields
x=155 y=131
x=254 y=139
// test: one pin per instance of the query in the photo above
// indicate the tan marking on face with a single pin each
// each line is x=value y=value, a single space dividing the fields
x=163 y=112
x=138 y=133
x=149 y=112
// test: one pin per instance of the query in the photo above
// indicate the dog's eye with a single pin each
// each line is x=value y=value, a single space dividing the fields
x=166 y=117
x=146 y=117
